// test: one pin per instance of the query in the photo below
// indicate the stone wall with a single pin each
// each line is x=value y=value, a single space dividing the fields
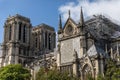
x=67 y=49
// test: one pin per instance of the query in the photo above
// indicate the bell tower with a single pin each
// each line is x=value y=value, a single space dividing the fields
x=16 y=45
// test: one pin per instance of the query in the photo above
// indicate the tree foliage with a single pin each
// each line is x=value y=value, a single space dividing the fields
x=48 y=74
x=112 y=71
x=14 y=72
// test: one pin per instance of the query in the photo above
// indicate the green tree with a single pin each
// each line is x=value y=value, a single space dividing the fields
x=48 y=74
x=100 y=77
x=14 y=72
x=89 y=77
x=112 y=71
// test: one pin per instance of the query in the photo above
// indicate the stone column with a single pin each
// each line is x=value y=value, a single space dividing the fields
x=75 y=60
x=58 y=55
x=106 y=48
x=75 y=72
x=58 y=59
x=97 y=68
x=5 y=35
x=102 y=67
x=111 y=53
x=17 y=54
x=13 y=32
x=17 y=31
x=11 y=54
x=42 y=40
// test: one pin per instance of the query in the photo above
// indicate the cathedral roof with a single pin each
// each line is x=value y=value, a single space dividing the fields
x=43 y=25
x=18 y=16
x=102 y=28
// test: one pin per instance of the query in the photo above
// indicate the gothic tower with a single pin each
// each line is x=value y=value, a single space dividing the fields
x=17 y=36
x=43 y=39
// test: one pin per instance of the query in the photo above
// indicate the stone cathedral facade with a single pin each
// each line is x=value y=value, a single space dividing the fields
x=24 y=43
x=82 y=48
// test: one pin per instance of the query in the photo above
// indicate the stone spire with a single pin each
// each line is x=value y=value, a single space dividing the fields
x=69 y=13
x=81 y=18
x=60 y=24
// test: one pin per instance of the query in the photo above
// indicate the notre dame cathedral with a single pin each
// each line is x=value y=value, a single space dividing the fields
x=82 y=48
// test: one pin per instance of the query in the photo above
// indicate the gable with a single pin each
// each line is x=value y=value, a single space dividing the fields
x=69 y=28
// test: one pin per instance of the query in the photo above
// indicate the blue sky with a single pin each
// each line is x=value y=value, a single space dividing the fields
x=47 y=11
x=39 y=11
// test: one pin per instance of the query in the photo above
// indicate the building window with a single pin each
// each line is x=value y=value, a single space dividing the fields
x=39 y=45
x=10 y=32
x=86 y=72
x=24 y=52
x=46 y=39
x=24 y=63
x=36 y=42
x=20 y=25
x=24 y=30
x=19 y=51
x=49 y=41
x=20 y=61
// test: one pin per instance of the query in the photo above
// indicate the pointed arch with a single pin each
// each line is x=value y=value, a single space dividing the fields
x=86 y=71
x=10 y=32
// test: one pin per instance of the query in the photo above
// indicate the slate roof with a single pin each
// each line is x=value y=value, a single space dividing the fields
x=102 y=28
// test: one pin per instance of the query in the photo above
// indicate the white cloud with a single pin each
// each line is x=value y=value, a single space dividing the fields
x=104 y=7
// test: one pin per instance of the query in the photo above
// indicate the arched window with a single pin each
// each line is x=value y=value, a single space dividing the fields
x=24 y=52
x=19 y=51
x=36 y=42
x=24 y=30
x=27 y=54
x=46 y=39
x=20 y=25
x=20 y=61
x=24 y=63
x=10 y=32
x=87 y=72
x=49 y=41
